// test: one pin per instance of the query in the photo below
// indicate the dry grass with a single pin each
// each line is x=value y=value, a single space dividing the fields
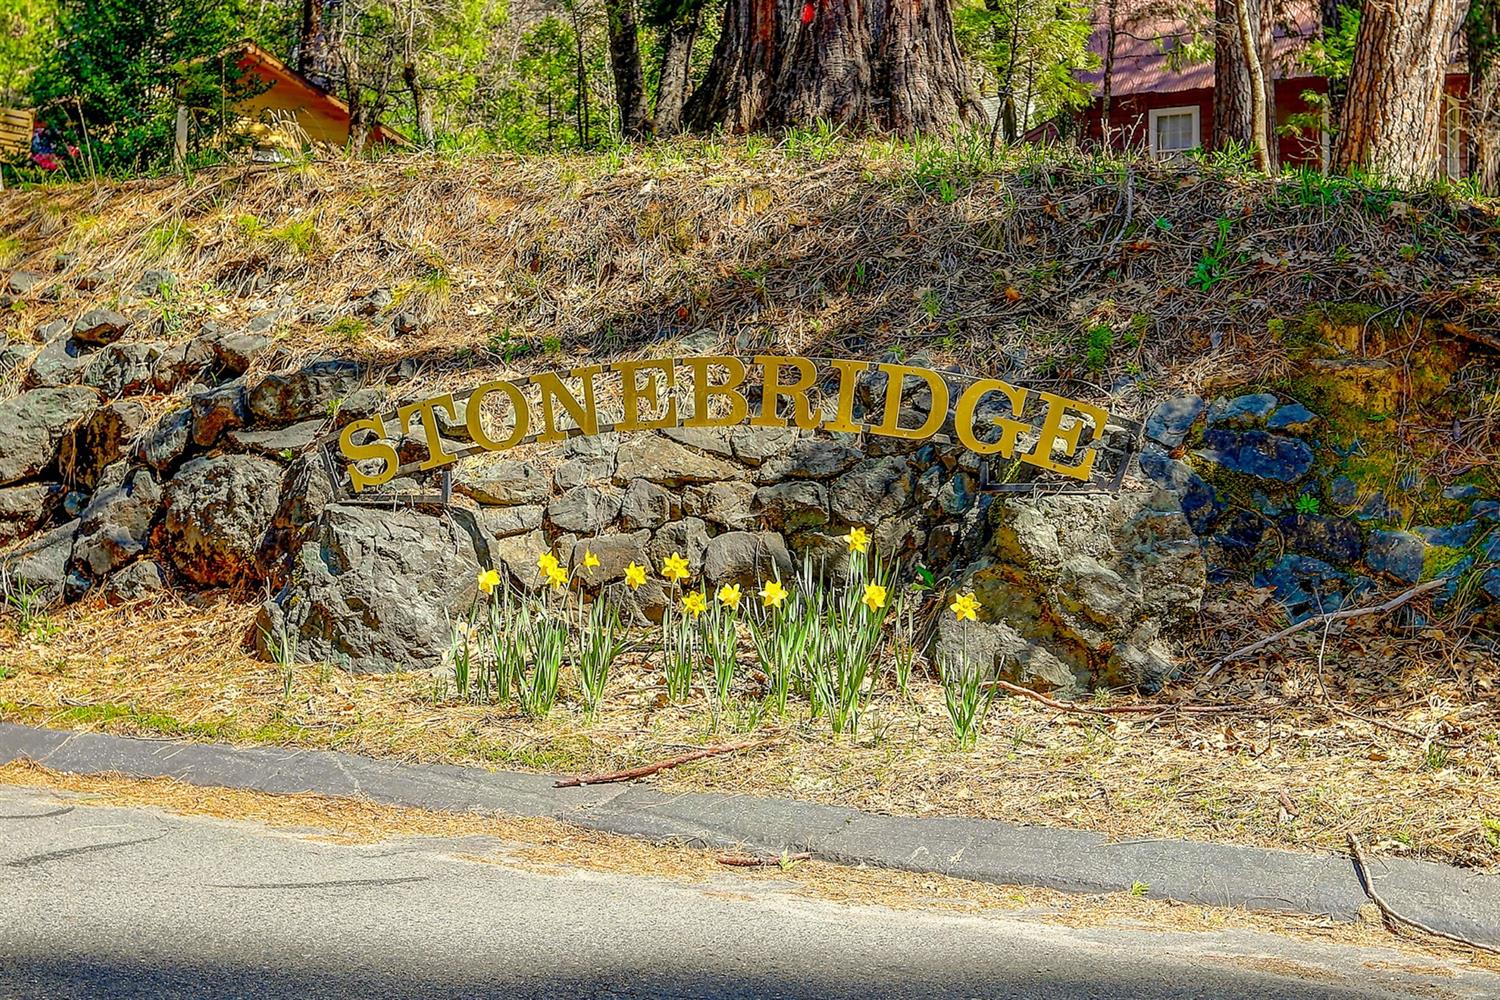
x=848 y=250
x=1285 y=771
x=547 y=846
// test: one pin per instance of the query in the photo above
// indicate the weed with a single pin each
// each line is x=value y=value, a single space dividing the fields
x=1491 y=828
x=1101 y=340
x=300 y=236
x=28 y=604
x=1139 y=889
x=1307 y=504
x=1213 y=266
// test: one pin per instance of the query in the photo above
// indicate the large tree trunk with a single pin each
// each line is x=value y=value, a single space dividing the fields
x=625 y=61
x=310 y=42
x=1394 y=105
x=420 y=102
x=676 y=58
x=887 y=64
x=1482 y=31
x=1244 y=91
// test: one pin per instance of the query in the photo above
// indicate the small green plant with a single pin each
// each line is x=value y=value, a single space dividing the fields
x=678 y=649
x=932 y=303
x=28 y=604
x=461 y=657
x=546 y=641
x=1139 y=889
x=721 y=642
x=1213 y=266
x=282 y=648
x=967 y=698
x=597 y=644
x=780 y=634
x=1101 y=340
x=1490 y=826
x=300 y=236
x=1307 y=503
x=349 y=329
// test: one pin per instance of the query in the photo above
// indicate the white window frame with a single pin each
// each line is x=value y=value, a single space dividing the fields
x=1186 y=109
x=1453 y=137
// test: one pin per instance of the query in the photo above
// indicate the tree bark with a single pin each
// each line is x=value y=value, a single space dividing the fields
x=886 y=64
x=421 y=105
x=625 y=61
x=1482 y=32
x=1244 y=93
x=677 y=53
x=310 y=41
x=1394 y=105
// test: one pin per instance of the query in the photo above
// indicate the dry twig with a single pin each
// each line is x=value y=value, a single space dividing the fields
x=1325 y=620
x=1362 y=868
x=630 y=774
x=758 y=860
x=1078 y=709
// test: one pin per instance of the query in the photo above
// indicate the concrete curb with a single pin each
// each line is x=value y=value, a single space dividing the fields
x=1448 y=899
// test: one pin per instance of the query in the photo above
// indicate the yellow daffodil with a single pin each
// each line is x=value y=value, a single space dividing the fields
x=874 y=598
x=557 y=576
x=635 y=575
x=695 y=602
x=729 y=595
x=965 y=607
x=773 y=594
x=546 y=562
x=858 y=539
x=488 y=581
x=675 y=568
x=589 y=559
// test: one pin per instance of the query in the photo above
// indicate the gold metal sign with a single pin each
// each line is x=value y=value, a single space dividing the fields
x=990 y=417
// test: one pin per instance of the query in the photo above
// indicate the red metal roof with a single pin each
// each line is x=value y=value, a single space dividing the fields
x=1148 y=31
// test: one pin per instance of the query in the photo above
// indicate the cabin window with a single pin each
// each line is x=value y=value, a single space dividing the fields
x=1173 y=130
x=1453 y=137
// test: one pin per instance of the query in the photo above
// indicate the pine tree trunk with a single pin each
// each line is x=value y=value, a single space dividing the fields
x=625 y=61
x=1482 y=31
x=310 y=41
x=421 y=105
x=886 y=64
x=677 y=53
x=1236 y=110
x=1394 y=105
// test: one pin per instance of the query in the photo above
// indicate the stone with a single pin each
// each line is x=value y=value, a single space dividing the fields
x=687 y=537
x=99 y=327
x=502 y=482
x=725 y=504
x=1397 y=554
x=646 y=505
x=639 y=606
x=40 y=564
x=217 y=513
x=1170 y=421
x=101 y=440
x=1486 y=510
x=1257 y=453
x=135 y=582
x=311 y=391
x=25 y=508
x=873 y=490
x=116 y=525
x=1331 y=539
x=22 y=282
x=583 y=472
x=1308 y=586
x=123 y=369
x=517 y=556
x=1450 y=536
x=218 y=410
x=584 y=509
x=714 y=440
x=957 y=494
x=235 y=352
x=1242 y=412
x=1342 y=490
x=1293 y=418
x=14 y=361
x=359 y=405
x=1081 y=589
x=753 y=445
x=156 y=282
x=33 y=424
x=405 y=323
x=502 y=522
x=282 y=442
x=614 y=553
x=1461 y=491
x=808 y=458
x=167 y=440
x=666 y=462
x=791 y=506
x=375 y=590
x=58 y=363
x=748 y=558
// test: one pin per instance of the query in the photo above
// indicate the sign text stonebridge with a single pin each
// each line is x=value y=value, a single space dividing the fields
x=545 y=407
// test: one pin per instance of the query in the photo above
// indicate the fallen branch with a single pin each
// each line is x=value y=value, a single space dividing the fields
x=1080 y=709
x=1362 y=869
x=758 y=861
x=1326 y=619
x=630 y=774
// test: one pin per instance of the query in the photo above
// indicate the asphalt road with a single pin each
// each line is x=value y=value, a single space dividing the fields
x=107 y=902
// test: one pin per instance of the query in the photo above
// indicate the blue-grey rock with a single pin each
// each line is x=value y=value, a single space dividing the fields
x=1490 y=584
x=1240 y=532
x=1461 y=491
x=1306 y=586
x=1397 y=554
x=1451 y=536
x=1293 y=418
x=1243 y=411
x=1265 y=504
x=1256 y=453
x=1170 y=421
x=1486 y=510
x=1331 y=539
x=1377 y=508
x=1342 y=490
